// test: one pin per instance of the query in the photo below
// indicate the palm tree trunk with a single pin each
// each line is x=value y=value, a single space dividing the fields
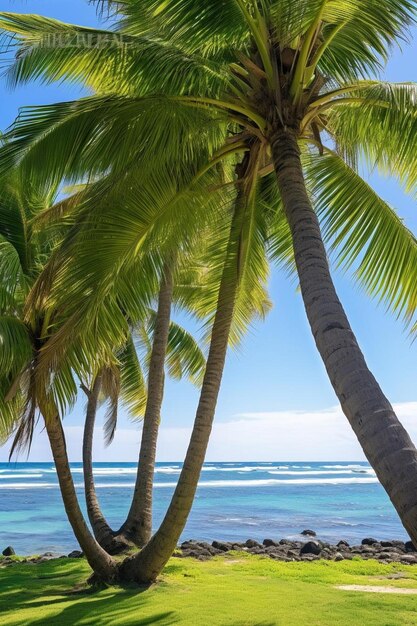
x=102 y=564
x=385 y=442
x=138 y=524
x=102 y=531
x=147 y=564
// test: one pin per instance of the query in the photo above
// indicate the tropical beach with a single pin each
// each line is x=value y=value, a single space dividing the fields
x=208 y=307
x=235 y=502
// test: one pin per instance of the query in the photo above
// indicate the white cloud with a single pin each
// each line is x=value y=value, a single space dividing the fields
x=274 y=436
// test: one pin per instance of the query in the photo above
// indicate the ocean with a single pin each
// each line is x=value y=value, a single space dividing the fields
x=235 y=501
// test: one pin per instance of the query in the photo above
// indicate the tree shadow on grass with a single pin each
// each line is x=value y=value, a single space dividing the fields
x=94 y=608
x=46 y=596
x=73 y=615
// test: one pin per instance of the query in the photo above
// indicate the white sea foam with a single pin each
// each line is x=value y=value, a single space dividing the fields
x=244 y=468
x=20 y=476
x=348 y=466
x=121 y=471
x=275 y=482
x=309 y=472
x=106 y=471
x=27 y=485
x=22 y=471
x=267 y=482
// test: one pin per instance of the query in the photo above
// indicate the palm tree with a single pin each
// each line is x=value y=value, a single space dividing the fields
x=24 y=250
x=183 y=357
x=138 y=525
x=245 y=255
x=173 y=344
x=294 y=83
x=123 y=378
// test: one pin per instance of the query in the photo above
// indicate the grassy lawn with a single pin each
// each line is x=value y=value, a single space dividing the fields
x=234 y=590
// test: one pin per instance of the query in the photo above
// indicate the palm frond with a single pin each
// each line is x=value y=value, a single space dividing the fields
x=15 y=344
x=209 y=30
x=381 y=126
x=110 y=388
x=93 y=135
x=106 y=61
x=133 y=391
x=366 y=233
x=184 y=355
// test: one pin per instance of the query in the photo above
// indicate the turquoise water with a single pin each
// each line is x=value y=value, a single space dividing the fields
x=234 y=501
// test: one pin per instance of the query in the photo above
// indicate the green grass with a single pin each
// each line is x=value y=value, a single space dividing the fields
x=234 y=590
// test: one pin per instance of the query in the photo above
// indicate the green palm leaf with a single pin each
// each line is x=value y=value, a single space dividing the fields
x=16 y=347
x=385 y=132
x=184 y=355
x=366 y=233
x=132 y=381
x=106 y=61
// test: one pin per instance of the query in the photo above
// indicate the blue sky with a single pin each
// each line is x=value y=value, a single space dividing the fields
x=277 y=371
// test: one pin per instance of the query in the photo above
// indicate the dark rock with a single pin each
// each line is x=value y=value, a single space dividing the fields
x=275 y=550
x=409 y=547
x=368 y=541
x=204 y=546
x=308 y=533
x=391 y=557
x=9 y=551
x=75 y=554
x=311 y=547
x=219 y=545
x=288 y=550
x=199 y=553
x=292 y=553
x=188 y=545
x=408 y=558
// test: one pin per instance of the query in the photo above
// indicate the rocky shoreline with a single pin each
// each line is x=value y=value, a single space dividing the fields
x=309 y=550
x=285 y=550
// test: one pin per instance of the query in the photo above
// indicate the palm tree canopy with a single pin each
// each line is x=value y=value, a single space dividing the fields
x=25 y=248
x=195 y=90
x=24 y=251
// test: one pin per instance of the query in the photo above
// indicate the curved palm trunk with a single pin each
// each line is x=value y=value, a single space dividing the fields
x=385 y=442
x=138 y=524
x=102 y=564
x=147 y=564
x=102 y=531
